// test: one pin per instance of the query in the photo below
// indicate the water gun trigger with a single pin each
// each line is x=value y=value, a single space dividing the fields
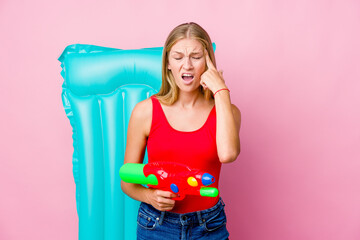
x=179 y=197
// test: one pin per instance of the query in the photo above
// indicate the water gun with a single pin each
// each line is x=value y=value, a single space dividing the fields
x=168 y=176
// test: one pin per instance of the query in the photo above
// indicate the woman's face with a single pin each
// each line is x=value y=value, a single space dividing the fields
x=187 y=63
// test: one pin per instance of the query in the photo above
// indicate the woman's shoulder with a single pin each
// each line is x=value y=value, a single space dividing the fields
x=235 y=110
x=141 y=115
x=237 y=115
x=143 y=109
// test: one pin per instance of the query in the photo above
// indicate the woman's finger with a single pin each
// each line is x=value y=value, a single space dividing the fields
x=165 y=194
x=204 y=85
x=208 y=60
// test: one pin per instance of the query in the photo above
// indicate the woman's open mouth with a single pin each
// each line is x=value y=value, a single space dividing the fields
x=187 y=78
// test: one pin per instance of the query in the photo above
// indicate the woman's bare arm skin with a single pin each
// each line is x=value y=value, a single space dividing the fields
x=228 y=120
x=138 y=131
x=228 y=116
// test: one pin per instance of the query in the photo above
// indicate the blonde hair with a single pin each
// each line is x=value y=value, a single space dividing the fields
x=169 y=91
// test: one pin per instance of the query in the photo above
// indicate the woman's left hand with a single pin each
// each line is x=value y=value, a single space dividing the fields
x=212 y=78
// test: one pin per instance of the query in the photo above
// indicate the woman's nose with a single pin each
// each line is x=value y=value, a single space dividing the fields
x=188 y=63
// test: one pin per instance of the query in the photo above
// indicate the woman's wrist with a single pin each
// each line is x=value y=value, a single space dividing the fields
x=223 y=89
x=217 y=87
x=147 y=192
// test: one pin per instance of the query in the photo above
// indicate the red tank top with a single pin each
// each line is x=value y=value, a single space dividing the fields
x=197 y=149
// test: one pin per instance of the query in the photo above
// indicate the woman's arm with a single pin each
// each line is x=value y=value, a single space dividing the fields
x=138 y=130
x=228 y=119
x=228 y=116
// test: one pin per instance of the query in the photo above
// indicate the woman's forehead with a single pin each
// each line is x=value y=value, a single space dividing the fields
x=187 y=46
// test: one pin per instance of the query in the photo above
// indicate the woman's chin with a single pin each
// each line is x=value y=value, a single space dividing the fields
x=189 y=88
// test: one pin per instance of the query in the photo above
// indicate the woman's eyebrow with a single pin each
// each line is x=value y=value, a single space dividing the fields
x=193 y=53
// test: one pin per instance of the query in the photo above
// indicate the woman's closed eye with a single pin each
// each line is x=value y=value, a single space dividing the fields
x=193 y=58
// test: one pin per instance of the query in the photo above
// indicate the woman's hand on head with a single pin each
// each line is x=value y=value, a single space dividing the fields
x=212 y=79
x=161 y=200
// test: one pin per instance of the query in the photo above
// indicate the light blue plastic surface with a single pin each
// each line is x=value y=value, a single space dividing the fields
x=101 y=87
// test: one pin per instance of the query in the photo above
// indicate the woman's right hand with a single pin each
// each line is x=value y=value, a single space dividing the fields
x=161 y=200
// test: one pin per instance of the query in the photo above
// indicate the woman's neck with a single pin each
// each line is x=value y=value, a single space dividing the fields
x=187 y=100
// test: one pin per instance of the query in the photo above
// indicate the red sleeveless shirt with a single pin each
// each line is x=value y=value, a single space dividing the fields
x=197 y=149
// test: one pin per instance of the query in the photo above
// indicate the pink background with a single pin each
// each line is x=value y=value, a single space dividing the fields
x=293 y=70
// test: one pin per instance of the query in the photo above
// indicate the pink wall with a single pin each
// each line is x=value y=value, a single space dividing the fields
x=293 y=70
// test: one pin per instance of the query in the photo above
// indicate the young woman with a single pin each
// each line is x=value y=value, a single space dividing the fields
x=190 y=121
